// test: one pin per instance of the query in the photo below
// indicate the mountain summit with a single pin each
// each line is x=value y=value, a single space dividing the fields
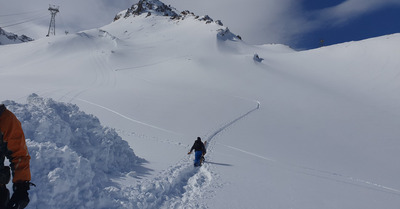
x=149 y=7
x=156 y=7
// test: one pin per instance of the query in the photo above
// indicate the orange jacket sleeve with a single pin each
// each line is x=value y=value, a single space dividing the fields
x=17 y=151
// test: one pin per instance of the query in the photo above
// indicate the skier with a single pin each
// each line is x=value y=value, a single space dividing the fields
x=13 y=146
x=200 y=151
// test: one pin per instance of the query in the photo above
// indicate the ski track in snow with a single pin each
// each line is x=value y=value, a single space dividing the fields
x=328 y=175
x=128 y=118
x=181 y=185
x=149 y=64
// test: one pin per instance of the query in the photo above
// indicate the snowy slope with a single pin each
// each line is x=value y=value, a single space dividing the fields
x=311 y=129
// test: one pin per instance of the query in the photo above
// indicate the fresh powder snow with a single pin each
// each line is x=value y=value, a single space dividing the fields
x=110 y=114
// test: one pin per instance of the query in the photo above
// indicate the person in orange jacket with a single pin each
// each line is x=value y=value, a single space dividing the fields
x=13 y=146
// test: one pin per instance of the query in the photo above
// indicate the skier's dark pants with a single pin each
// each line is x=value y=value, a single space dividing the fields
x=197 y=158
x=4 y=196
x=4 y=179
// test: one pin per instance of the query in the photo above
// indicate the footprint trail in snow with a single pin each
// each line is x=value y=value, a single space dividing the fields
x=180 y=186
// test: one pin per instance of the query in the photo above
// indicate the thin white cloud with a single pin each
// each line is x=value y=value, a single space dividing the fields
x=257 y=21
x=351 y=9
x=304 y=22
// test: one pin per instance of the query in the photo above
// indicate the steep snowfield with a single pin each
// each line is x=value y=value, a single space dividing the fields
x=311 y=129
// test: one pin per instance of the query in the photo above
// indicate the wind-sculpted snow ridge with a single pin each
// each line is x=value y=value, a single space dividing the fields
x=73 y=156
x=91 y=34
x=10 y=38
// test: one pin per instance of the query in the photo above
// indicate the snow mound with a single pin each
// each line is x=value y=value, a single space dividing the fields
x=10 y=38
x=74 y=157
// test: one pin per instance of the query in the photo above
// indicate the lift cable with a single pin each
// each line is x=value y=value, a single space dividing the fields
x=25 y=21
x=21 y=13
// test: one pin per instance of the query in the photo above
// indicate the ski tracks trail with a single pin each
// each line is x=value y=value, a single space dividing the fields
x=179 y=186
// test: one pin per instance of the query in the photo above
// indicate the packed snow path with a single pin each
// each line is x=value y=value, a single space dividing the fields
x=181 y=185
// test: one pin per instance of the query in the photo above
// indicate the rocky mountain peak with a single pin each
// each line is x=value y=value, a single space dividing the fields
x=156 y=7
x=11 y=38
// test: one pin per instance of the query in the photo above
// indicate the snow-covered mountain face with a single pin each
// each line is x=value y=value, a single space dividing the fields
x=285 y=129
x=149 y=6
x=158 y=8
x=10 y=38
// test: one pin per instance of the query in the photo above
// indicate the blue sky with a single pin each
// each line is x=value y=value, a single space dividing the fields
x=383 y=20
x=300 y=24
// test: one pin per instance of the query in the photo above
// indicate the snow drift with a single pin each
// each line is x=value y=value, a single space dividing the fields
x=73 y=156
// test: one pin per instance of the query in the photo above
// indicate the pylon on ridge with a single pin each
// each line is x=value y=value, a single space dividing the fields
x=52 y=27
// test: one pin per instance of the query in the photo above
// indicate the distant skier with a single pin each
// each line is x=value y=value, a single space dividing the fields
x=13 y=146
x=200 y=151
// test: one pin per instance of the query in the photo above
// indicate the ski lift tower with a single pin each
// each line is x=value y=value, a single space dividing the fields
x=52 y=27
